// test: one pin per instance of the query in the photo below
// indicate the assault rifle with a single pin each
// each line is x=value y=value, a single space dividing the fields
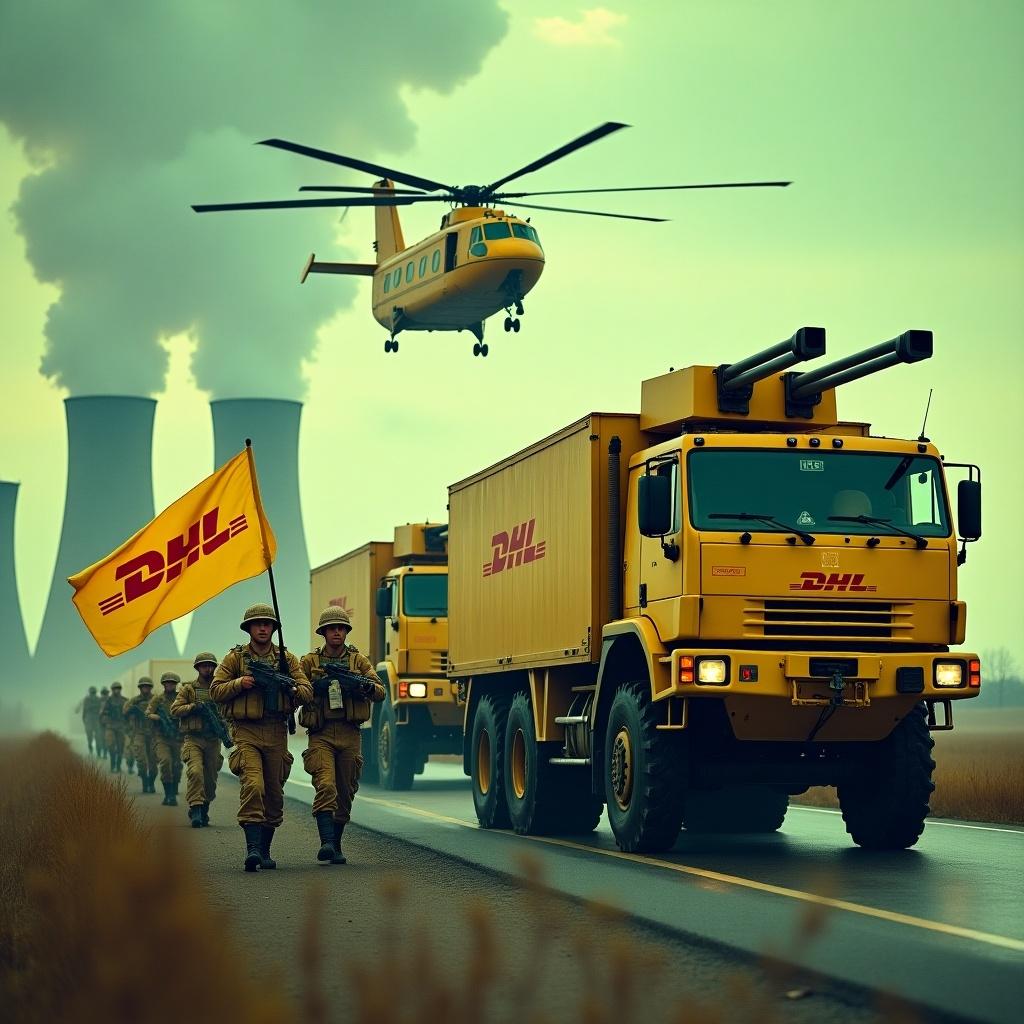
x=135 y=715
x=167 y=725
x=214 y=723
x=273 y=684
x=351 y=683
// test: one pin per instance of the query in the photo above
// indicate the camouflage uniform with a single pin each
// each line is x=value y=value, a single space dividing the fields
x=168 y=747
x=90 y=707
x=141 y=732
x=260 y=757
x=101 y=738
x=334 y=757
x=200 y=748
x=114 y=725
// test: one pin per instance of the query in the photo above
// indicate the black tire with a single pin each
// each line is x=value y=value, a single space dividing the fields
x=735 y=809
x=644 y=773
x=543 y=798
x=368 y=740
x=886 y=811
x=487 y=761
x=396 y=750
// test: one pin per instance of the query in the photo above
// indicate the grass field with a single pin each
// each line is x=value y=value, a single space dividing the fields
x=979 y=769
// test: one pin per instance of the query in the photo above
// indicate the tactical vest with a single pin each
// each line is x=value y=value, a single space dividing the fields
x=113 y=711
x=320 y=713
x=91 y=706
x=138 y=722
x=248 y=706
x=196 y=724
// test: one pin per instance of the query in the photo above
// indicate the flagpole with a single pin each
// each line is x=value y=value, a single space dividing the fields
x=283 y=662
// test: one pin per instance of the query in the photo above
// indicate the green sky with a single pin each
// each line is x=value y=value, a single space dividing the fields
x=899 y=123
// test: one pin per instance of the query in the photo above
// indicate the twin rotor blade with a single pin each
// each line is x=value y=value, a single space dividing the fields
x=644 y=188
x=295 y=204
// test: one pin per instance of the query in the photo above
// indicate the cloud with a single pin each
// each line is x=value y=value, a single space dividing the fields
x=594 y=28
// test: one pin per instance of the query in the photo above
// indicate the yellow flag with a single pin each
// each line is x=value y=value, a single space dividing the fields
x=214 y=536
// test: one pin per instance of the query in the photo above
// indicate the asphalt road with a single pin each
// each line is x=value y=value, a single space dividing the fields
x=941 y=925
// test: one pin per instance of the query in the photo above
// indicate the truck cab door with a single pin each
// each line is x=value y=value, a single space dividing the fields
x=660 y=569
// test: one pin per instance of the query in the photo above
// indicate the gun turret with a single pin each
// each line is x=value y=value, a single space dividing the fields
x=736 y=380
x=803 y=390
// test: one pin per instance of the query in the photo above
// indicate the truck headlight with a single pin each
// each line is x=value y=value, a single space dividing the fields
x=949 y=673
x=417 y=689
x=713 y=671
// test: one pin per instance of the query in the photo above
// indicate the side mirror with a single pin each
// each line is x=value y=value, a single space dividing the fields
x=968 y=509
x=655 y=505
x=382 y=601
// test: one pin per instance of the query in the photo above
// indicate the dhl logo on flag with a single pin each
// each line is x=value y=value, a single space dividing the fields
x=195 y=548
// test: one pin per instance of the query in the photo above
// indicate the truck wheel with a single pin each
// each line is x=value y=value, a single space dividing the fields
x=487 y=761
x=368 y=741
x=751 y=809
x=886 y=810
x=396 y=751
x=644 y=774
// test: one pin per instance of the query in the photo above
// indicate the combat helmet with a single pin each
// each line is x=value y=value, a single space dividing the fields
x=170 y=677
x=115 y=686
x=205 y=658
x=92 y=690
x=332 y=615
x=145 y=681
x=257 y=611
x=104 y=691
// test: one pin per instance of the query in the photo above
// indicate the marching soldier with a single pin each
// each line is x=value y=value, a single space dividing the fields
x=168 y=737
x=101 y=732
x=141 y=733
x=113 y=721
x=90 y=708
x=333 y=758
x=200 y=748
x=260 y=757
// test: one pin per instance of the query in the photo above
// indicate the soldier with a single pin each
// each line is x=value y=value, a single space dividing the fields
x=101 y=733
x=113 y=721
x=141 y=731
x=200 y=748
x=333 y=758
x=168 y=737
x=260 y=757
x=90 y=708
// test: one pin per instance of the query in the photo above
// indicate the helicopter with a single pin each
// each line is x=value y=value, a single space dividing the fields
x=481 y=260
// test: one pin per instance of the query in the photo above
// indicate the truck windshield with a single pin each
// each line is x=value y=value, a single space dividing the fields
x=805 y=488
x=425 y=596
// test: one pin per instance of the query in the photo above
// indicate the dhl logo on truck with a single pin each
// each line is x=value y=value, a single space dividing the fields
x=147 y=571
x=515 y=549
x=851 y=582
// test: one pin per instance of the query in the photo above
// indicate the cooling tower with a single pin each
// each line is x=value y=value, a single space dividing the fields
x=14 y=656
x=109 y=497
x=273 y=425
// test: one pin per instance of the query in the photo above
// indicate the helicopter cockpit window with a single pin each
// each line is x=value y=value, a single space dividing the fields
x=525 y=231
x=499 y=230
x=476 y=243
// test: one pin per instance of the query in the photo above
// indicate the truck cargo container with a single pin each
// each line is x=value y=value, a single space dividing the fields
x=396 y=594
x=693 y=613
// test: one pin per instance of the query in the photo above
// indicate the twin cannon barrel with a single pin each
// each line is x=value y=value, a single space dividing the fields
x=803 y=390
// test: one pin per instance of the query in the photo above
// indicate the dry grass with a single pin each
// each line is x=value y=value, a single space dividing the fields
x=98 y=917
x=979 y=776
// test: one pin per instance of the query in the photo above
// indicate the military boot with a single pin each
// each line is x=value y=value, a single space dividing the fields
x=338 y=857
x=266 y=839
x=325 y=826
x=195 y=816
x=131 y=766
x=113 y=761
x=168 y=800
x=205 y=814
x=253 y=834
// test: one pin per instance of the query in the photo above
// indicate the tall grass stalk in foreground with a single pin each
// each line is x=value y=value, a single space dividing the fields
x=98 y=916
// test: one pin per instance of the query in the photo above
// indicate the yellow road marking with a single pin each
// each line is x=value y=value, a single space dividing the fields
x=1002 y=941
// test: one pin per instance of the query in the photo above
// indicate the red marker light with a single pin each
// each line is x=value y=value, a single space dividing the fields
x=748 y=673
x=975 y=677
x=403 y=689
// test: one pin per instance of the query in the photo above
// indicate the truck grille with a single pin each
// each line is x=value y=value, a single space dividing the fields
x=439 y=662
x=848 y=619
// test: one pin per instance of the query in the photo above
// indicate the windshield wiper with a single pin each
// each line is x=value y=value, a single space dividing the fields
x=807 y=538
x=920 y=541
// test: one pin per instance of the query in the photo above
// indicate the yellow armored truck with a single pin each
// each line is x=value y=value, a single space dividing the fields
x=396 y=594
x=691 y=614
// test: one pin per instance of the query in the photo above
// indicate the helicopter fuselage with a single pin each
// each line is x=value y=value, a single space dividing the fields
x=481 y=261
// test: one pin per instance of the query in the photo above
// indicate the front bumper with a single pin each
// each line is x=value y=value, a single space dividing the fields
x=777 y=695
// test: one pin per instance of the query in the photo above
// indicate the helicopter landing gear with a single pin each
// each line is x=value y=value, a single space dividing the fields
x=480 y=350
x=519 y=307
x=391 y=345
x=511 y=325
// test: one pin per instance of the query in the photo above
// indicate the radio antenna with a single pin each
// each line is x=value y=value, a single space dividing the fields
x=926 y=410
